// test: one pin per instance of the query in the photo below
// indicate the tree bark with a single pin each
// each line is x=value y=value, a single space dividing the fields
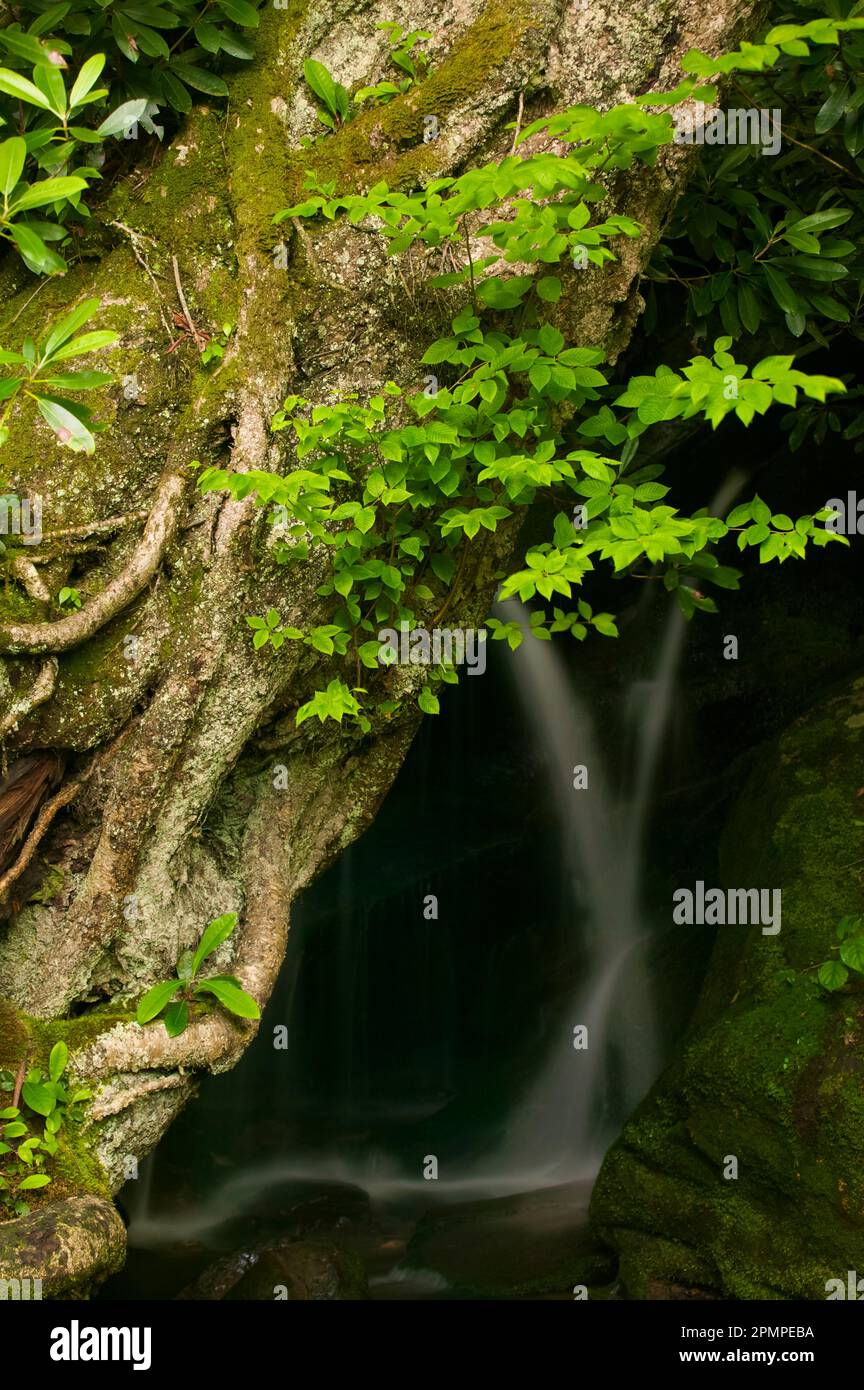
x=167 y=814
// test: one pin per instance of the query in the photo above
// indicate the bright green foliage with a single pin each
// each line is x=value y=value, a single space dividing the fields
x=773 y=245
x=404 y=54
x=174 y=998
x=29 y=1130
x=161 y=51
x=76 y=74
x=333 y=99
x=45 y=166
x=214 y=349
x=834 y=974
x=397 y=488
x=69 y=598
x=40 y=376
x=333 y=703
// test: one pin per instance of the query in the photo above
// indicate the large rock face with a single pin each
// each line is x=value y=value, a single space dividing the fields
x=772 y=1070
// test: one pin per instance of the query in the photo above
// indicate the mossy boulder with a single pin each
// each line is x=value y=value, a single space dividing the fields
x=71 y=1246
x=771 y=1073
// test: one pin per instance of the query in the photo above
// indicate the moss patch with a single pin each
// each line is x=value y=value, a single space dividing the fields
x=771 y=1074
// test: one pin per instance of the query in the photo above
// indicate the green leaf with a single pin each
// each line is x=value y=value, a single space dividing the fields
x=200 y=79
x=208 y=36
x=428 y=702
x=86 y=79
x=155 y=1000
x=176 y=1018
x=549 y=288
x=57 y=1060
x=39 y=195
x=36 y=255
x=780 y=289
x=832 y=109
x=236 y=1000
x=122 y=118
x=241 y=12
x=217 y=932
x=40 y=1096
x=321 y=83
x=832 y=975
x=35 y=1180
x=14 y=85
x=70 y=430
x=69 y=325
x=852 y=953
x=12 y=155
x=88 y=342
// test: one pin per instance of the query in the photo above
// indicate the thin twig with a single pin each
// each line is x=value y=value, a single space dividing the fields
x=518 y=123
x=19 y=1081
x=200 y=339
x=90 y=528
x=134 y=238
x=28 y=300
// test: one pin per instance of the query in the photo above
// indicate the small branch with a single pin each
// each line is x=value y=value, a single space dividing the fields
x=92 y=528
x=518 y=123
x=19 y=1081
x=43 y=821
x=42 y=690
x=200 y=338
x=134 y=238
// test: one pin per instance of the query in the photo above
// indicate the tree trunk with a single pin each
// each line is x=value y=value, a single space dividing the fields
x=154 y=731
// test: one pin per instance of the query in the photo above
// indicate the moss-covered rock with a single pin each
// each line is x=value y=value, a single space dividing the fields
x=771 y=1072
x=70 y=1246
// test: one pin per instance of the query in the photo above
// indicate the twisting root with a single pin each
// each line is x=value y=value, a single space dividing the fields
x=41 y=690
x=77 y=627
x=43 y=820
x=29 y=577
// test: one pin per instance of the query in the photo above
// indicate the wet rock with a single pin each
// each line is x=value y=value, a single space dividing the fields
x=296 y=1271
x=513 y=1247
x=71 y=1246
x=770 y=1074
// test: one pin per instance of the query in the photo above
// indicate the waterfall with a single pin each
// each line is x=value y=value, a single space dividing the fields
x=570 y=1112
x=575 y=1107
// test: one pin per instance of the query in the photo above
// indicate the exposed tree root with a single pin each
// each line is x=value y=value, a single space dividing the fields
x=118 y=594
x=41 y=690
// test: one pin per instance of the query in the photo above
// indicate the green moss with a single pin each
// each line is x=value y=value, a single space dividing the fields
x=14 y=1035
x=386 y=142
x=772 y=1070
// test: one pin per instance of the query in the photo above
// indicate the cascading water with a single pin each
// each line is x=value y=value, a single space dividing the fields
x=572 y=1111
x=566 y=1119
x=371 y=935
